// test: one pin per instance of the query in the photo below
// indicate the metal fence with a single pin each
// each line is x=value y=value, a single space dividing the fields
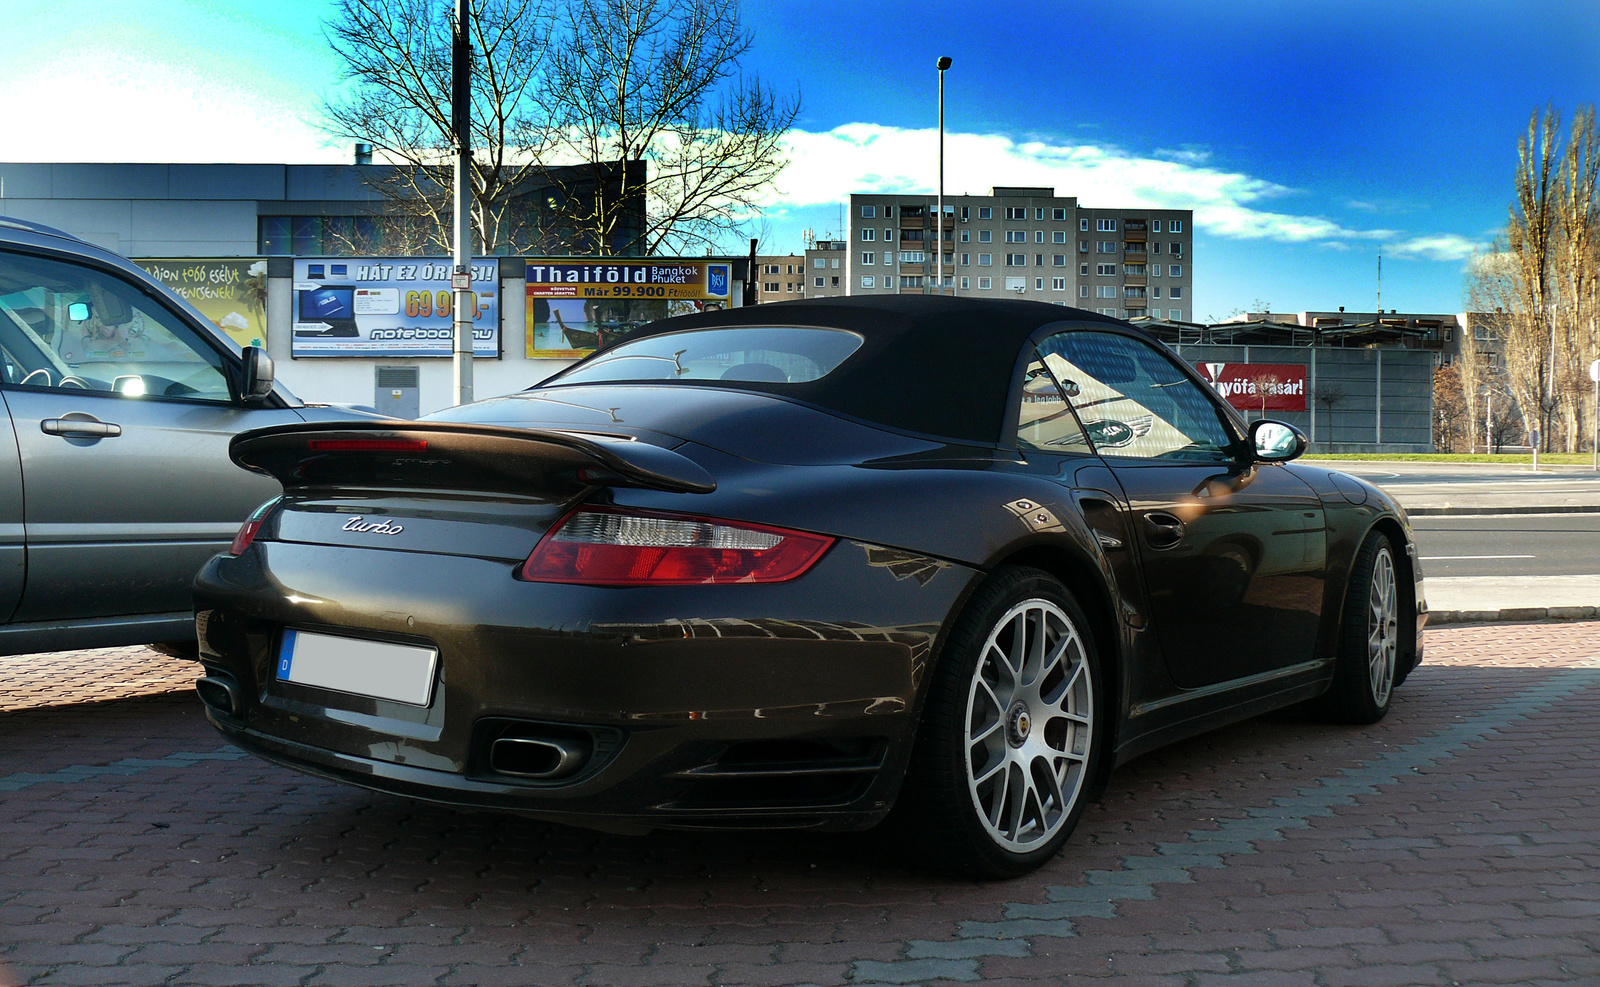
x=1357 y=400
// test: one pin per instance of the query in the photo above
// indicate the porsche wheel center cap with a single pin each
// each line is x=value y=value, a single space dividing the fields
x=1018 y=723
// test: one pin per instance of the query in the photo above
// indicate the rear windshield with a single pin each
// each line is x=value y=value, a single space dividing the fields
x=770 y=354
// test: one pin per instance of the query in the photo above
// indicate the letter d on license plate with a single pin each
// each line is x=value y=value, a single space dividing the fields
x=402 y=673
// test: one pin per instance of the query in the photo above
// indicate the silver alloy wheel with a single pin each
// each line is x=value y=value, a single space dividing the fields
x=1383 y=625
x=1030 y=719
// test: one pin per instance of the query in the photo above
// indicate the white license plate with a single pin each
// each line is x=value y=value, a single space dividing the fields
x=399 y=672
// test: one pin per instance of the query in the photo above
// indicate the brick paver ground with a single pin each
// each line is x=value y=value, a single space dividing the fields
x=1456 y=842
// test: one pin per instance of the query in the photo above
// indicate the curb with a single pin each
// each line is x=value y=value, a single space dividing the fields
x=1574 y=509
x=1513 y=615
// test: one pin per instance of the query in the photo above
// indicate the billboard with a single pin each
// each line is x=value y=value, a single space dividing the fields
x=231 y=292
x=576 y=306
x=1245 y=385
x=389 y=307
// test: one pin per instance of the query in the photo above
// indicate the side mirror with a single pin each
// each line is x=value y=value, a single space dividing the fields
x=257 y=383
x=1276 y=442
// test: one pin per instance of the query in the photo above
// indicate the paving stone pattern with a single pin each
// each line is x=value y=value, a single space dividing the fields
x=1457 y=842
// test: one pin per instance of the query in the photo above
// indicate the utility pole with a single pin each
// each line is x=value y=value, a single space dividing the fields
x=938 y=221
x=460 y=126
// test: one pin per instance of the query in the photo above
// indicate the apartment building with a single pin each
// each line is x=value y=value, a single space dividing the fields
x=1025 y=242
x=827 y=268
x=780 y=277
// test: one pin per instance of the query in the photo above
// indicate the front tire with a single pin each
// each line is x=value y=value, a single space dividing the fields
x=1011 y=733
x=1365 y=673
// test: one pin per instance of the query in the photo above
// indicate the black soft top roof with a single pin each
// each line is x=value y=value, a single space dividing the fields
x=938 y=366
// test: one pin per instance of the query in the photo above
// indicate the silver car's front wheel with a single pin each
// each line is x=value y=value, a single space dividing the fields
x=1030 y=720
x=1010 y=744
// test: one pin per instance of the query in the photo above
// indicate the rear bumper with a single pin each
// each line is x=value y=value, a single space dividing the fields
x=786 y=704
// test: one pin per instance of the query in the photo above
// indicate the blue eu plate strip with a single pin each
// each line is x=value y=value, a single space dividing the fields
x=286 y=654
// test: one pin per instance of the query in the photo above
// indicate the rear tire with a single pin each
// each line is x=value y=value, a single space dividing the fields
x=1011 y=734
x=1367 y=669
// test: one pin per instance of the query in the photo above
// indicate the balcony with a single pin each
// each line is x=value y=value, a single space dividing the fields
x=1134 y=229
x=1135 y=249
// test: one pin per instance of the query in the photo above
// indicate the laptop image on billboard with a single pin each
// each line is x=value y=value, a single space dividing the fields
x=332 y=304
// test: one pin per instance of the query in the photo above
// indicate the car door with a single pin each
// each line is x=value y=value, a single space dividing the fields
x=122 y=412
x=1233 y=552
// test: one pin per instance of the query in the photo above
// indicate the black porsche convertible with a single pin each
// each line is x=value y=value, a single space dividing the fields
x=802 y=565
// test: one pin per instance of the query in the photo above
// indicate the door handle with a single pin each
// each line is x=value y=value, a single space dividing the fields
x=1162 y=530
x=88 y=428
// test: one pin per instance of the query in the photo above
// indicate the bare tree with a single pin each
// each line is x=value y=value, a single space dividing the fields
x=1264 y=384
x=1329 y=395
x=1451 y=421
x=1574 y=263
x=585 y=113
x=659 y=83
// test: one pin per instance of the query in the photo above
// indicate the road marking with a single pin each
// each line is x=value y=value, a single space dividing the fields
x=1455 y=558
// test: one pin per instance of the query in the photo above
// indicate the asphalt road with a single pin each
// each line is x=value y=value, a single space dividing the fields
x=1442 y=486
x=1509 y=545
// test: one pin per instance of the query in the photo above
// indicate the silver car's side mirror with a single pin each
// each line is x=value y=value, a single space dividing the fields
x=257 y=383
x=1276 y=442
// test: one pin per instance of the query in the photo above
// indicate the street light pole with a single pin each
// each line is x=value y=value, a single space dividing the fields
x=938 y=243
x=461 y=278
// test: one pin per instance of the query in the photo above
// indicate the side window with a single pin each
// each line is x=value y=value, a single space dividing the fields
x=1044 y=420
x=65 y=327
x=1134 y=401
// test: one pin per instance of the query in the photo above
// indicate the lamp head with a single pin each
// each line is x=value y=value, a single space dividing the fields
x=944 y=62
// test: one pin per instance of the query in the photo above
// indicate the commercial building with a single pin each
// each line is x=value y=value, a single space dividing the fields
x=1025 y=243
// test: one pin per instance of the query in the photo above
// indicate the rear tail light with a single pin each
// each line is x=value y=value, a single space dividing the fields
x=602 y=546
x=252 y=524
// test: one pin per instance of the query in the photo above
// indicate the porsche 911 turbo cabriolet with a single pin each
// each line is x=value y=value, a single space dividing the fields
x=800 y=565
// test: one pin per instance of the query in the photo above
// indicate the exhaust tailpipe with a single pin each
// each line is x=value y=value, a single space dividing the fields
x=538 y=757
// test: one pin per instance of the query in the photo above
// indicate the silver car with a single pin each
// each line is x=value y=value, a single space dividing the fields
x=115 y=482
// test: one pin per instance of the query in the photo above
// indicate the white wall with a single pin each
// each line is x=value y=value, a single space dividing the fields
x=350 y=381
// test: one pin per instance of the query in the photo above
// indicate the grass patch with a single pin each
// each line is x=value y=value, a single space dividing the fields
x=1503 y=459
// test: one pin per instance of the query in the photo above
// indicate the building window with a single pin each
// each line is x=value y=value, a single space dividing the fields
x=836 y=282
x=1176 y=292
x=1177 y=250
x=1133 y=270
x=1083 y=246
x=1059 y=237
x=985 y=236
x=1106 y=270
x=983 y=284
x=1155 y=246
x=966 y=213
x=1016 y=212
x=888 y=236
x=1058 y=284
x=1038 y=284
x=1155 y=226
x=966 y=283
x=1016 y=260
x=1083 y=291
x=1176 y=226
x=1155 y=292
x=821 y=282
x=1106 y=311
x=1038 y=212
x=1083 y=270
x=985 y=212
x=1105 y=291
x=888 y=212
x=1038 y=236
x=1106 y=246
x=836 y=263
x=1175 y=270
x=985 y=260
x=966 y=260
x=1083 y=224
x=869 y=235
x=1155 y=270
x=1058 y=214
x=1106 y=225
x=966 y=236
x=1058 y=260
x=869 y=282
x=910 y=280
x=1133 y=292
x=913 y=257
x=868 y=212
x=869 y=257
x=1016 y=236
x=1016 y=284
x=1038 y=260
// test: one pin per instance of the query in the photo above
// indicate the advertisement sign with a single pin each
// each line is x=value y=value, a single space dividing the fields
x=577 y=306
x=231 y=292
x=389 y=307
x=1244 y=385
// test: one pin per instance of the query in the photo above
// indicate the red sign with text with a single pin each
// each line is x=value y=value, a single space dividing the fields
x=1244 y=384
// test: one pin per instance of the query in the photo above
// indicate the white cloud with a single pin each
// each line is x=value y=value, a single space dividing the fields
x=827 y=167
x=1439 y=246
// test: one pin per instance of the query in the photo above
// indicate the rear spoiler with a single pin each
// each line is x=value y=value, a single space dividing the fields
x=454 y=456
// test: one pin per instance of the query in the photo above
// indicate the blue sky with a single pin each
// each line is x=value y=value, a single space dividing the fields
x=1306 y=136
